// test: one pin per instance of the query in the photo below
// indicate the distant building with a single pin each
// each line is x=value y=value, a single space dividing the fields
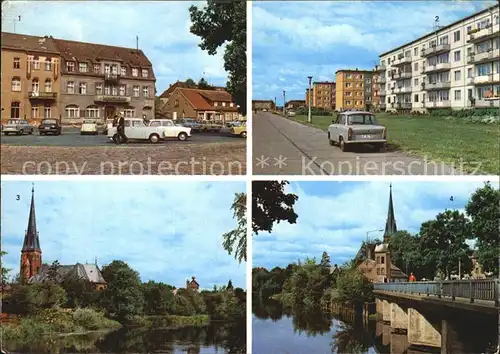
x=260 y=105
x=294 y=104
x=323 y=95
x=193 y=284
x=354 y=90
x=376 y=263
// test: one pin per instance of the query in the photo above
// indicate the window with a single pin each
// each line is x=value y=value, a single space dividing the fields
x=122 y=90
x=415 y=67
x=469 y=72
x=70 y=66
x=107 y=69
x=368 y=81
x=223 y=104
x=48 y=64
x=456 y=36
x=114 y=91
x=415 y=98
x=144 y=72
x=70 y=88
x=361 y=77
x=48 y=85
x=15 y=110
x=458 y=95
x=136 y=91
x=98 y=89
x=34 y=112
x=443 y=40
x=123 y=71
x=17 y=63
x=129 y=113
x=469 y=28
x=35 y=85
x=72 y=112
x=348 y=84
x=378 y=271
x=216 y=104
x=382 y=270
x=145 y=91
x=92 y=112
x=16 y=84
x=348 y=93
x=114 y=69
x=97 y=68
x=456 y=55
x=348 y=102
x=415 y=51
x=82 y=88
x=107 y=90
x=347 y=76
x=82 y=67
x=135 y=72
x=47 y=111
x=382 y=260
x=415 y=82
x=457 y=75
x=36 y=64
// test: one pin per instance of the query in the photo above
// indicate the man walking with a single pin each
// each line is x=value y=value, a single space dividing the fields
x=121 y=130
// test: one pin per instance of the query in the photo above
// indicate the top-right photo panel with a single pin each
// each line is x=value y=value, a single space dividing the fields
x=376 y=88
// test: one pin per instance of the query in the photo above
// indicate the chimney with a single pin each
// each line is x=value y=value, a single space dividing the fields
x=368 y=251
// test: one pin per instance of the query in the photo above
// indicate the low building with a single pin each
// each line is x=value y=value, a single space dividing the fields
x=295 y=104
x=203 y=105
x=260 y=105
x=192 y=284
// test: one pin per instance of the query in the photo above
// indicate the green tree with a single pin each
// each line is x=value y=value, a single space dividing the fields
x=44 y=296
x=352 y=286
x=79 y=292
x=222 y=22
x=406 y=254
x=158 y=298
x=235 y=241
x=123 y=297
x=190 y=82
x=325 y=260
x=442 y=242
x=270 y=204
x=229 y=285
x=483 y=209
x=53 y=272
x=203 y=84
x=4 y=272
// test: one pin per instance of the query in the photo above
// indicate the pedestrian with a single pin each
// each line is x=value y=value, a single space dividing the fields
x=121 y=130
x=412 y=277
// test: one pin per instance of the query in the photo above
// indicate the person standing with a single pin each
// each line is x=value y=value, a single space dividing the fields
x=412 y=277
x=121 y=130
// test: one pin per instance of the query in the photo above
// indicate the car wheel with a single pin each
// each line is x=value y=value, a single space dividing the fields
x=31 y=132
x=154 y=138
x=21 y=132
x=330 y=141
x=243 y=135
x=343 y=146
x=182 y=136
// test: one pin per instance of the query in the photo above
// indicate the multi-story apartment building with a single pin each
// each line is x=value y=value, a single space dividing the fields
x=377 y=92
x=98 y=81
x=353 y=89
x=457 y=66
x=323 y=95
x=309 y=97
x=30 y=77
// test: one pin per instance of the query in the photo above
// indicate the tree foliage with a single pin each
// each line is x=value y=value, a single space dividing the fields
x=219 y=23
x=4 y=272
x=270 y=204
x=203 y=84
x=235 y=241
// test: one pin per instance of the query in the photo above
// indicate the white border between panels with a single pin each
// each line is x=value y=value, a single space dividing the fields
x=249 y=90
x=376 y=178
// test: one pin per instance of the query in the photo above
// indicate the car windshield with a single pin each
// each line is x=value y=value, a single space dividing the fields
x=88 y=121
x=366 y=119
x=49 y=121
x=14 y=121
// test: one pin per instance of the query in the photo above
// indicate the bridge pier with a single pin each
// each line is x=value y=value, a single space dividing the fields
x=386 y=311
x=386 y=335
x=399 y=317
x=450 y=339
x=399 y=342
x=421 y=331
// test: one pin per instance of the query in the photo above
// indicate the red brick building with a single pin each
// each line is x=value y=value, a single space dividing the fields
x=193 y=284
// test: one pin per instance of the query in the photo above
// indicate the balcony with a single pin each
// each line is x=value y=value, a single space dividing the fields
x=111 y=77
x=487 y=79
x=382 y=80
x=435 y=50
x=483 y=34
x=438 y=86
x=469 y=81
x=383 y=93
x=403 y=89
x=36 y=95
x=487 y=103
x=490 y=55
x=436 y=68
x=110 y=98
x=402 y=61
x=402 y=75
x=403 y=105
x=438 y=104
x=380 y=68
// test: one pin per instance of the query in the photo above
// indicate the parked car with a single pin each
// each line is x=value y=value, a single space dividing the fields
x=171 y=129
x=135 y=129
x=209 y=126
x=351 y=128
x=49 y=126
x=89 y=126
x=17 y=126
x=235 y=128
x=291 y=113
x=107 y=124
x=191 y=123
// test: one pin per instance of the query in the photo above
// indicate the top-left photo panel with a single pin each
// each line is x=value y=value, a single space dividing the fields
x=124 y=88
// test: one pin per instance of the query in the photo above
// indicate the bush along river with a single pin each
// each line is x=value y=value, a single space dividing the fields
x=277 y=329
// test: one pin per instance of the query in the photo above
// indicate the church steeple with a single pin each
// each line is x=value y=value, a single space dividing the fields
x=390 y=224
x=31 y=254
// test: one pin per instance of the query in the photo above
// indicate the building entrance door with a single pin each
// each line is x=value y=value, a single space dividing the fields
x=109 y=112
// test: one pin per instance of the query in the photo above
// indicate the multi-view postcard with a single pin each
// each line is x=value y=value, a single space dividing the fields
x=124 y=88
x=375 y=88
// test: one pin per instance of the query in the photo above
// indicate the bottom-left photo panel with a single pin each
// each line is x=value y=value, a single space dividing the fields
x=123 y=267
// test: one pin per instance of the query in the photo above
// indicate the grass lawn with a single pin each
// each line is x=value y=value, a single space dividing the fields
x=452 y=141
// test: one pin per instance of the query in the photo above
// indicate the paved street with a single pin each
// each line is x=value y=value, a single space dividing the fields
x=72 y=137
x=282 y=146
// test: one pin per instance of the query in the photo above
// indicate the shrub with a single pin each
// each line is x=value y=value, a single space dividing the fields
x=92 y=320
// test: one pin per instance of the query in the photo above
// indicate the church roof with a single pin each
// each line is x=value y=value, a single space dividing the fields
x=88 y=272
x=31 y=240
x=390 y=224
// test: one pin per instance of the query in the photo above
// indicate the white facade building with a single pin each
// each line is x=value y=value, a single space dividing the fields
x=457 y=66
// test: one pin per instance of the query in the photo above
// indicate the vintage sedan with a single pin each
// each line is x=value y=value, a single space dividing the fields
x=171 y=129
x=17 y=126
x=89 y=126
x=136 y=129
x=351 y=128
x=235 y=128
x=49 y=126
x=191 y=123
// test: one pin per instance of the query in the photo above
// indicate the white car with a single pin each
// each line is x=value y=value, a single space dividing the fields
x=291 y=113
x=89 y=126
x=135 y=129
x=17 y=126
x=171 y=129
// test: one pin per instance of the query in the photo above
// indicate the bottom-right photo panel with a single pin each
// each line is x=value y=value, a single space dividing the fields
x=375 y=267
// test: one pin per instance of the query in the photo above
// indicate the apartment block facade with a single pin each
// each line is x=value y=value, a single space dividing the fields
x=457 y=66
x=30 y=77
x=323 y=95
x=354 y=89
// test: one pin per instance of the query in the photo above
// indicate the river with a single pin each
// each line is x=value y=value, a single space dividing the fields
x=278 y=330
x=215 y=338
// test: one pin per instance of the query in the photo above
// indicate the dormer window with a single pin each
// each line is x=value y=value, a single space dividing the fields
x=82 y=67
x=231 y=104
x=107 y=69
x=215 y=104
x=144 y=72
x=70 y=66
x=223 y=104
x=135 y=72
x=123 y=71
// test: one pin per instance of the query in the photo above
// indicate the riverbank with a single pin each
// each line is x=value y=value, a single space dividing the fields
x=171 y=321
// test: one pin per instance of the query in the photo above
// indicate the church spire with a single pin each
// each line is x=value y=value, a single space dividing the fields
x=390 y=224
x=31 y=240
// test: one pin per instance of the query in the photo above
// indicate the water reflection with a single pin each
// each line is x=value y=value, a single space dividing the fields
x=216 y=338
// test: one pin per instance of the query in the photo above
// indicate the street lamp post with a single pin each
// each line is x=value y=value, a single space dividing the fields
x=284 y=101
x=309 y=100
x=275 y=103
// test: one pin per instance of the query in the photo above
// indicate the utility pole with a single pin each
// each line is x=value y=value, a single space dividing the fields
x=284 y=101
x=14 y=20
x=275 y=103
x=309 y=100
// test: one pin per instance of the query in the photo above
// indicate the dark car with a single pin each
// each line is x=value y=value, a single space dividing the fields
x=191 y=123
x=49 y=126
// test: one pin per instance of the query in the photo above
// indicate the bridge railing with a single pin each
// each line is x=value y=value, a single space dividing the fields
x=477 y=289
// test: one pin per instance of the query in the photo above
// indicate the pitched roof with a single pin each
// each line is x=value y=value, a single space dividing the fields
x=397 y=273
x=172 y=87
x=88 y=272
x=196 y=100
x=25 y=42
x=216 y=95
x=31 y=240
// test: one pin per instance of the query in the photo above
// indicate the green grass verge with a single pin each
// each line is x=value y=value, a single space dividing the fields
x=454 y=141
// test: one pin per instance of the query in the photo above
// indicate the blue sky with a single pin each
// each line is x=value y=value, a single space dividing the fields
x=162 y=27
x=167 y=231
x=335 y=216
x=295 y=39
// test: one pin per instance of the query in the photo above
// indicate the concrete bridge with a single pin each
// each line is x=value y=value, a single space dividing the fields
x=438 y=314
